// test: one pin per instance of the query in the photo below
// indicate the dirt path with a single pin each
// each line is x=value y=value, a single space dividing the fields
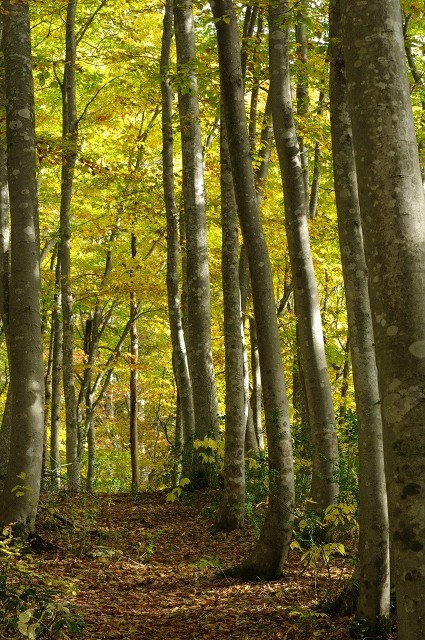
x=141 y=568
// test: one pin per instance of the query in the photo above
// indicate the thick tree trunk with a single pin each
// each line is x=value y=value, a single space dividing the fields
x=5 y=431
x=19 y=500
x=324 y=487
x=393 y=220
x=69 y=158
x=374 y=569
x=180 y=361
x=197 y=270
x=5 y=427
x=267 y=559
x=232 y=511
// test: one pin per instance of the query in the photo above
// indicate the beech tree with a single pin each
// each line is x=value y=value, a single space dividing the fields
x=324 y=485
x=69 y=153
x=232 y=510
x=267 y=558
x=4 y=268
x=19 y=499
x=197 y=268
x=178 y=343
x=393 y=219
x=374 y=562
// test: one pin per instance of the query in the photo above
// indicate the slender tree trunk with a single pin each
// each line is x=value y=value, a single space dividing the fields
x=91 y=443
x=254 y=427
x=56 y=400
x=317 y=161
x=374 y=569
x=244 y=288
x=393 y=220
x=180 y=361
x=19 y=500
x=324 y=486
x=134 y=375
x=197 y=275
x=178 y=446
x=302 y=95
x=267 y=558
x=419 y=82
x=257 y=393
x=69 y=158
x=232 y=511
x=47 y=403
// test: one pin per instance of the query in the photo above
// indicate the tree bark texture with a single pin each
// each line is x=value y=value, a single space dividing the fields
x=393 y=220
x=69 y=158
x=197 y=270
x=267 y=558
x=20 y=495
x=134 y=385
x=232 y=511
x=56 y=398
x=374 y=567
x=324 y=487
x=4 y=267
x=180 y=360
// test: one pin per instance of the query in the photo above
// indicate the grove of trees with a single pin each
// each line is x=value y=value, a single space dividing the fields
x=212 y=239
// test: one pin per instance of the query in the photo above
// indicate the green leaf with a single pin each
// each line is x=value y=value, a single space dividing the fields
x=25 y=616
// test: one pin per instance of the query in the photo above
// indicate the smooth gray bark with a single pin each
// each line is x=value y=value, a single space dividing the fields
x=254 y=438
x=197 y=269
x=302 y=94
x=56 y=396
x=5 y=427
x=19 y=500
x=267 y=559
x=256 y=399
x=69 y=158
x=418 y=82
x=324 y=485
x=374 y=566
x=232 y=509
x=393 y=220
x=180 y=360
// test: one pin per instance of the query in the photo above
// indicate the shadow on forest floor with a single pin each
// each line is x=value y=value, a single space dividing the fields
x=140 y=568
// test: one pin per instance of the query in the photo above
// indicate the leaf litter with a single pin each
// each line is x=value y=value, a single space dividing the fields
x=139 y=567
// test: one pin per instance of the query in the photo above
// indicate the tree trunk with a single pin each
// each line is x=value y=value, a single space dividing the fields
x=324 y=486
x=180 y=362
x=4 y=269
x=56 y=399
x=232 y=511
x=393 y=220
x=302 y=94
x=134 y=375
x=20 y=495
x=197 y=275
x=267 y=559
x=69 y=158
x=374 y=570
x=257 y=394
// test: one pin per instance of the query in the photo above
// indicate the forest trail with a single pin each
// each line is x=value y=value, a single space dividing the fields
x=141 y=568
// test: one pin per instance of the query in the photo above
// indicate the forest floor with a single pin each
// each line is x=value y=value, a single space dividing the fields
x=139 y=567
